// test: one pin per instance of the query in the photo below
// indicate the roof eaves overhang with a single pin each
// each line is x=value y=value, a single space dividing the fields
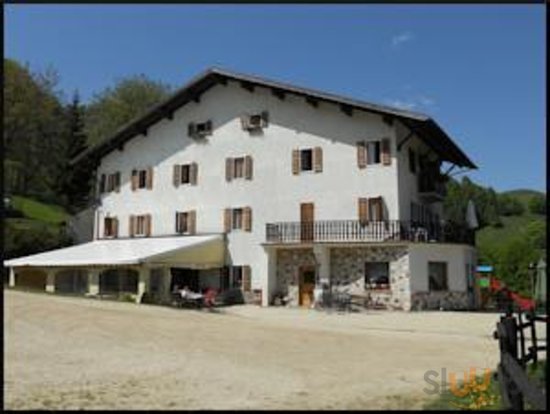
x=420 y=123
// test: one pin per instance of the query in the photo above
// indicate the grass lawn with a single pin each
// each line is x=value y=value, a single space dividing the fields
x=35 y=210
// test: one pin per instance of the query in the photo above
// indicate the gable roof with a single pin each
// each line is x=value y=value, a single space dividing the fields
x=422 y=125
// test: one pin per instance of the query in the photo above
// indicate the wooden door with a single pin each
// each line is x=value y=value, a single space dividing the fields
x=306 y=221
x=307 y=284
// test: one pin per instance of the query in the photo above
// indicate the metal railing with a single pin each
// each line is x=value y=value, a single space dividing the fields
x=370 y=231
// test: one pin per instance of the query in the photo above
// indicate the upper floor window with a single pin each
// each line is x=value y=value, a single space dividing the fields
x=240 y=167
x=142 y=179
x=199 y=130
x=371 y=209
x=140 y=225
x=185 y=174
x=185 y=222
x=373 y=152
x=238 y=218
x=110 y=227
x=307 y=159
x=109 y=182
x=255 y=122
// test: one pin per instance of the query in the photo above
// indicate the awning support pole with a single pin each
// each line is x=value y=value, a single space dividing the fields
x=11 y=282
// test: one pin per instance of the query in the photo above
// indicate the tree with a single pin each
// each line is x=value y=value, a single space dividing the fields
x=509 y=205
x=75 y=181
x=129 y=98
x=537 y=204
x=33 y=125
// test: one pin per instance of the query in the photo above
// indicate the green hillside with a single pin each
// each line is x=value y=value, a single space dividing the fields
x=32 y=226
x=518 y=240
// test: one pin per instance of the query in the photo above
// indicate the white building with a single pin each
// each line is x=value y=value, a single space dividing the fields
x=272 y=189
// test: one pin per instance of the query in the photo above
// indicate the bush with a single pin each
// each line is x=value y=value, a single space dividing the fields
x=537 y=204
x=509 y=205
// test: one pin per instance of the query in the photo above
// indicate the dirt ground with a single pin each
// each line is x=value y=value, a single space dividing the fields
x=76 y=353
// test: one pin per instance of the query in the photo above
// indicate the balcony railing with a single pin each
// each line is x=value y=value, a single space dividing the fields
x=372 y=231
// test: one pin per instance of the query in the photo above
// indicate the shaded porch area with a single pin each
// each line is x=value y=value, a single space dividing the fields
x=141 y=270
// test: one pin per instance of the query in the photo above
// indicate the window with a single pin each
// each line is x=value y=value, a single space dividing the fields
x=437 y=276
x=182 y=220
x=237 y=219
x=306 y=160
x=140 y=225
x=255 y=121
x=238 y=167
x=377 y=275
x=110 y=227
x=236 y=277
x=199 y=130
x=185 y=174
x=412 y=161
x=373 y=152
x=376 y=209
x=142 y=179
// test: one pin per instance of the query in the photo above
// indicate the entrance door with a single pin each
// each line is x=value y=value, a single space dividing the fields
x=307 y=284
x=306 y=221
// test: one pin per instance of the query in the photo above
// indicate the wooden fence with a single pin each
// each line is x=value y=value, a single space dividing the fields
x=516 y=387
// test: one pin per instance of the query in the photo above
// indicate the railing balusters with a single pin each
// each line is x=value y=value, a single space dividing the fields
x=374 y=231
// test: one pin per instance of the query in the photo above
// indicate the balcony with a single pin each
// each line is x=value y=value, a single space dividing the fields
x=431 y=188
x=372 y=231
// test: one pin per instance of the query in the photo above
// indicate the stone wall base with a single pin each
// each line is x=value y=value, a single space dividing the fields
x=440 y=301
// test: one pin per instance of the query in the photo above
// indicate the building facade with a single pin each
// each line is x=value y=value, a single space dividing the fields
x=307 y=188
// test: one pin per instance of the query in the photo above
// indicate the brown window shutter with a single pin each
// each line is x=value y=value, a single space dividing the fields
x=362 y=154
x=132 y=226
x=115 y=227
x=194 y=172
x=363 y=210
x=191 y=129
x=247 y=219
x=248 y=167
x=379 y=208
x=102 y=180
x=295 y=162
x=318 y=159
x=192 y=221
x=135 y=179
x=104 y=228
x=148 y=225
x=227 y=220
x=228 y=169
x=247 y=279
x=117 y=182
x=150 y=178
x=386 y=152
x=176 y=178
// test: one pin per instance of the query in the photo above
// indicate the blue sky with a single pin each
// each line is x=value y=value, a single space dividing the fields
x=478 y=70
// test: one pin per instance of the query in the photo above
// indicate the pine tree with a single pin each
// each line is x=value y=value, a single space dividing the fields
x=75 y=180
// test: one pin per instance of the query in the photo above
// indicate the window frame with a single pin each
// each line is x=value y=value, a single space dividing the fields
x=374 y=152
x=432 y=287
x=108 y=230
x=237 y=217
x=142 y=174
x=236 y=274
x=185 y=172
x=140 y=221
x=376 y=286
x=183 y=222
x=303 y=152
x=240 y=161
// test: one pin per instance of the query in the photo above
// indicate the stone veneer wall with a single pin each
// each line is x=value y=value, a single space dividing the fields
x=440 y=300
x=348 y=268
x=288 y=263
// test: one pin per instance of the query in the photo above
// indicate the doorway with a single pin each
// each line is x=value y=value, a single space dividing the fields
x=185 y=277
x=306 y=221
x=306 y=286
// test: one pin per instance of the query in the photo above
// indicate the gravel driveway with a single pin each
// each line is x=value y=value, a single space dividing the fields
x=76 y=353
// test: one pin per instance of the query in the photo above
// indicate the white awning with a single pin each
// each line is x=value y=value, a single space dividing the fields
x=191 y=251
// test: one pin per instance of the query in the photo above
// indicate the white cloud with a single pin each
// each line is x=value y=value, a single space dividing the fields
x=401 y=38
x=417 y=102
